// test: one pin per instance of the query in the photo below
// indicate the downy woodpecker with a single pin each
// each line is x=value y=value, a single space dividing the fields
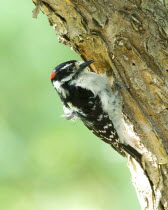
x=88 y=96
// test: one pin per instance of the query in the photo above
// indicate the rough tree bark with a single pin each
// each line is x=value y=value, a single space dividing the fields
x=130 y=38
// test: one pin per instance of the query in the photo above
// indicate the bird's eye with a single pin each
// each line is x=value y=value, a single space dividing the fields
x=53 y=74
x=69 y=69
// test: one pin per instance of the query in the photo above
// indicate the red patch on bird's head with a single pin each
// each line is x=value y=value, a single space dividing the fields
x=53 y=74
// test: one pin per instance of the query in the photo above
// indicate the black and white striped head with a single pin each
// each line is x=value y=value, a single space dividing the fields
x=68 y=70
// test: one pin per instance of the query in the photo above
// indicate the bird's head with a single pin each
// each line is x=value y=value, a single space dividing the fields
x=68 y=70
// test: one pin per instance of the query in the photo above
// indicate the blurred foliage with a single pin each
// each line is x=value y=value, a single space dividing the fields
x=46 y=162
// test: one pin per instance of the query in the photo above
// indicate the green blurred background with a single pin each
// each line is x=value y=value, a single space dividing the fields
x=46 y=162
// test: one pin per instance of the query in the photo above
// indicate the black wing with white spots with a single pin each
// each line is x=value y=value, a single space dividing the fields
x=89 y=109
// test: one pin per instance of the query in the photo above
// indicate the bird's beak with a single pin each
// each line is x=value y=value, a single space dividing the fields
x=85 y=64
x=82 y=67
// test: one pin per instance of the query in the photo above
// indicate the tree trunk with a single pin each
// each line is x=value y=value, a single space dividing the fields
x=130 y=38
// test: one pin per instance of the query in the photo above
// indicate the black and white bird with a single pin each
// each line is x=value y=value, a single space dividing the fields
x=88 y=96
